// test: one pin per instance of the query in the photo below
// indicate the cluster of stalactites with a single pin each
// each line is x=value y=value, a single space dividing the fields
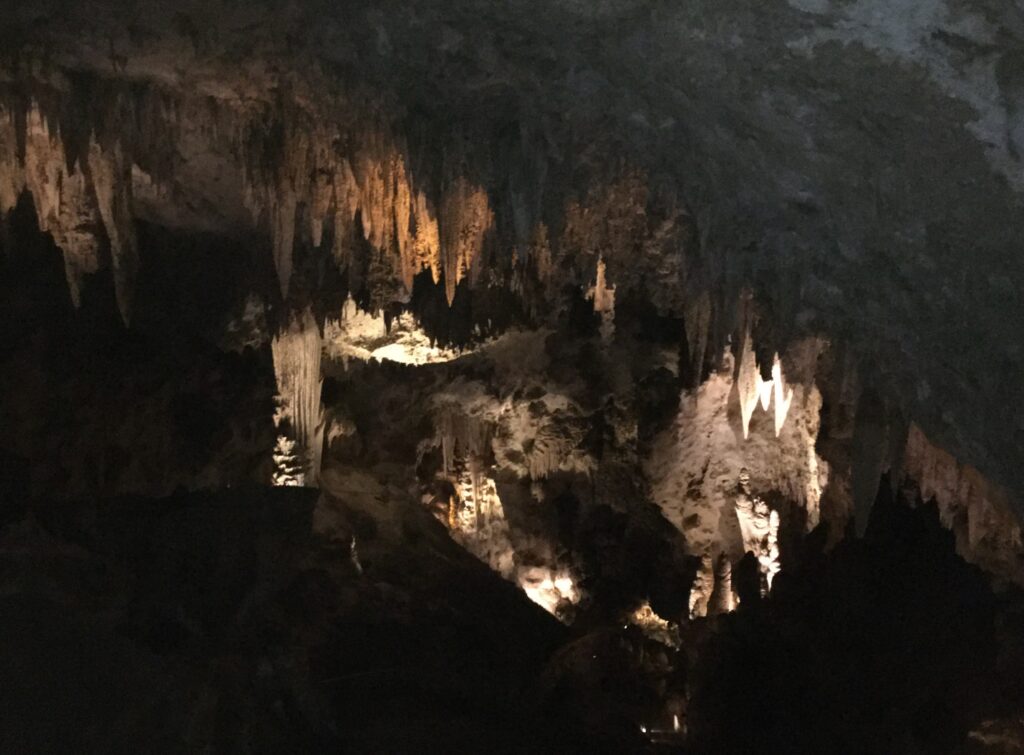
x=754 y=389
x=979 y=512
x=76 y=201
x=398 y=220
x=461 y=434
x=296 y=350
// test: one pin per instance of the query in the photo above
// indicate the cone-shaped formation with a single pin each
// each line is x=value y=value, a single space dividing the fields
x=754 y=390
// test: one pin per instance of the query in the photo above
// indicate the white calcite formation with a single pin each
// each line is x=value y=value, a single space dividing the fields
x=296 y=351
x=553 y=590
x=759 y=528
x=476 y=518
x=289 y=465
x=694 y=464
x=532 y=438
x=468 y=432
x=755 y=390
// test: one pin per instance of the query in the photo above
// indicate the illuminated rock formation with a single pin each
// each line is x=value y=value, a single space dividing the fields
x=703 y=587
x=296 y=352
x=759 y=528
x=654 y=626
x=289 y=466
x=478 y=519
x=363 y=335
x=754 y=390
x=694 y=464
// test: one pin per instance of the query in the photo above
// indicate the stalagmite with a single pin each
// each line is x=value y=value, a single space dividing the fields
x=296 y=353
x=722 y=598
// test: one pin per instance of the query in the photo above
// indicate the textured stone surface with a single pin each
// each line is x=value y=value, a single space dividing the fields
x=857 y=163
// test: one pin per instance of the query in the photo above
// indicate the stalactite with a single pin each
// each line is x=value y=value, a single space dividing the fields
x=476 y=516
x=754 y=390
x=466 y=218
x=782 y=395
x=697 y=322
x=980 y=513
x=461 y=433
x=603 y=297
x=65 y=200
x=296 y=352
x=346 y=205
x=427 y=246
x=111 y=176
x=12 y=172
x=869 y=453
x=748 y=383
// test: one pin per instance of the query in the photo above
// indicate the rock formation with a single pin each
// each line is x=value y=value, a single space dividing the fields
x=629 y=304
x=296 y=352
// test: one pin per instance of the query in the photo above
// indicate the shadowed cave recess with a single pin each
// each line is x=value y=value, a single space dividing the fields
x=512 y=377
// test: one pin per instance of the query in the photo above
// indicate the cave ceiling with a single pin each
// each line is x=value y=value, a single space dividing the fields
x=858 y=165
